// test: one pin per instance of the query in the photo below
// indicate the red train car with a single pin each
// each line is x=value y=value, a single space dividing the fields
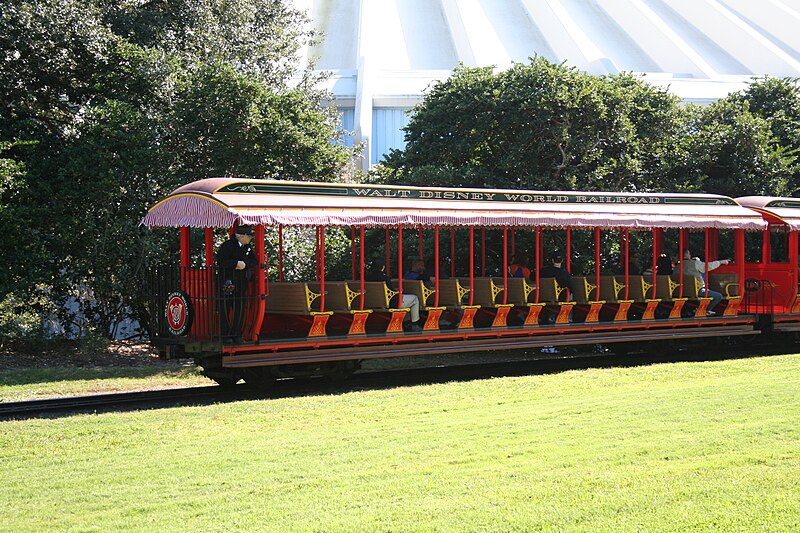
x=469 y=300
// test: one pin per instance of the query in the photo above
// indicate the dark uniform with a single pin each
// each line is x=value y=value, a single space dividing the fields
x=232 y=283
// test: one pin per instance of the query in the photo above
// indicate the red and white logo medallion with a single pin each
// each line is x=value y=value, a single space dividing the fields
x=178 y=313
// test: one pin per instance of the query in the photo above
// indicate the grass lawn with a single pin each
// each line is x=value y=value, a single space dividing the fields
x=688 y=446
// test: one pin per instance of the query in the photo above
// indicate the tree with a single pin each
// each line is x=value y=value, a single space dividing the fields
x=777 y=100
x=111 y=105
x=730 y=151
x=539 y=126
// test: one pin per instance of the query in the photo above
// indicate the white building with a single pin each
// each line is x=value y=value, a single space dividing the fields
x=382 y=54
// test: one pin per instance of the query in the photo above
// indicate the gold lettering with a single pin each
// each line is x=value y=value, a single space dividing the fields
x=449 y=195
x=404 y=194
x=538 y=199
x=361 y=192
x=489 y=195
x=426 y=194
x=511 y=197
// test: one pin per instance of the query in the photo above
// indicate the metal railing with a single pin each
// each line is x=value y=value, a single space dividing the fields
x=208 y=293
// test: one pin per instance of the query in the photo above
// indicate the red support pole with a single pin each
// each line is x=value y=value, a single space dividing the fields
x=436 y=268
x=705 y=261
x=483 y=252
x=538 y=260
x=452 y=251
x=322 y=268
x=361 y=274
x=186 y=246
x=280 y=252
x=388 y=254
x=421 y=246
x=186 y=249
x=353 y=252
x=471 y=265
x=681 y=244
x=597 y=262
x=400 y=266
x=654 y=266
x=627 y=261
x=505 y=264
x=209 y=235
x=316 y=250
x=569 y=255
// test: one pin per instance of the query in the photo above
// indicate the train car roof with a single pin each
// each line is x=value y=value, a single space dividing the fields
x=774 y=209
x=219 y=202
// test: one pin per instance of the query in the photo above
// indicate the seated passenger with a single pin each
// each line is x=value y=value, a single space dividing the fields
x=555 y=270
x=377 y=272
x=664 y=266
x=417 y=271
x=693 y=267
x=519 y=267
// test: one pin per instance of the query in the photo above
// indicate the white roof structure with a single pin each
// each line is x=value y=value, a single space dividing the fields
x=382 y=54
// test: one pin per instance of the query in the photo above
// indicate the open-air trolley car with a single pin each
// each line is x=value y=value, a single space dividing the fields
x=338 y=316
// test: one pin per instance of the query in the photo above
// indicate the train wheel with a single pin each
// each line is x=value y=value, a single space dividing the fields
x=342 y=370
x=226 y=382
x=259 y=378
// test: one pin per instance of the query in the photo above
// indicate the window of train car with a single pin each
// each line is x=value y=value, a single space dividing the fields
x=779 y=244
x=753 y=240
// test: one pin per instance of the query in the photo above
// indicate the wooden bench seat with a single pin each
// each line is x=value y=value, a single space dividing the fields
x=338 y=295
x=486 y=291
x=520 y=291
x=296 y=298
x=586 y=294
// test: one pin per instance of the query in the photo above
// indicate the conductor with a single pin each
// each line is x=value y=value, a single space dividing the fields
x=234 y=258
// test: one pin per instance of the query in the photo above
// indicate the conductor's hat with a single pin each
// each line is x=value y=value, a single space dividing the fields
x=245 y=230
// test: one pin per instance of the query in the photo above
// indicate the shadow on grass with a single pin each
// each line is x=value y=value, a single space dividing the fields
x=32 y=376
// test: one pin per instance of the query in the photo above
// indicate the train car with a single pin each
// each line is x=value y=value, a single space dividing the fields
x=772 y=270
x=468 y=300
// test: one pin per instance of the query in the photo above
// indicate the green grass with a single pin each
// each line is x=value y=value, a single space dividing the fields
x=673 y=447
x=38 y=383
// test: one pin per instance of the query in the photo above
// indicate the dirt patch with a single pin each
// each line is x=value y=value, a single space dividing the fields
x=71 y=354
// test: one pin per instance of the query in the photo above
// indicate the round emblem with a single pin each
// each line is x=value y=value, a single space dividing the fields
x=178 y=313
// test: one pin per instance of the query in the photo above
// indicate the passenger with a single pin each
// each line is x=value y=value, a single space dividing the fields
x=234 y=257
x=633 y=264
x=694 y=267
x=664 y=265
x=519 y=267
x=417 y=271
x=377 y=272
x=555 y=270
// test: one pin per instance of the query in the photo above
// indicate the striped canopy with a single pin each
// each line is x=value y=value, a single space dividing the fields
x=221 y=202
x=775 y=209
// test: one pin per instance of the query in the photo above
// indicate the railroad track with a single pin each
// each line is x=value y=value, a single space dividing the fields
x=119 y=401
x=129 y=401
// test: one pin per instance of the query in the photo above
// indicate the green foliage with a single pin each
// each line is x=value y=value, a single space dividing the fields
x=538 y=126
x=546 y=126
x=21 y=322
x=109 y=106
x=731 y=151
